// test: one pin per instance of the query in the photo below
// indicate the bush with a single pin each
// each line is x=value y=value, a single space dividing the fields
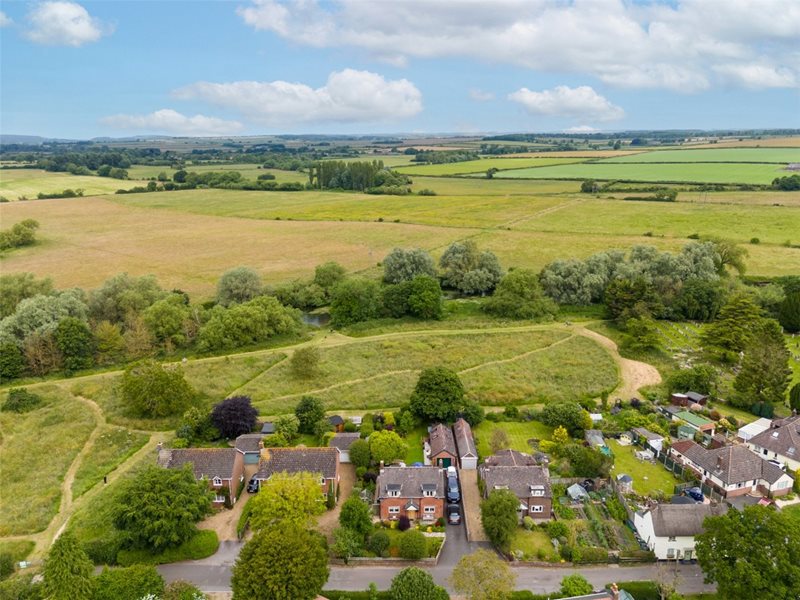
x=403 y=523
x=137 y=581
x=202 y=545
x=557 y=529
x=103 y=551
x=755 y=240
x=182 y=590
x=378 y=543
x=413 y=545
x=528 y=523
x=6 y=565
x=20 y=400
x=589 y=555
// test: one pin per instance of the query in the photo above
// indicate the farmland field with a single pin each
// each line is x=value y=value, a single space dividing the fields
x=482 y=165
x=29 y=182
x=733 y=155
x=655 y=172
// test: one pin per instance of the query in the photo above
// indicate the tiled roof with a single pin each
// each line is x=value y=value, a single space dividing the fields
x=343 y=441
x=510 y=458
x=783 y=438
x=673 y=520
x=730 y=464
x=410 y=481
x=298 y=460
x=249 y=442
x=206 y=462
x=647 y=434
x=464 y=440
x=441 y=440
x=517 y=479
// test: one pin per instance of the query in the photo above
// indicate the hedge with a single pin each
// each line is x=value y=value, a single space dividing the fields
x=202 y=545
x=338 y=595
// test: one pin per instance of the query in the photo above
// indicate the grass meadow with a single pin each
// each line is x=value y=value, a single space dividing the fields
x=112 y=447
x=482 y=165
x=694 y=172
x=38 y=448
x=15 y=183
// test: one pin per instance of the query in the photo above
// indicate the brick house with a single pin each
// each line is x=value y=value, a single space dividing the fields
x=442 y=446
x=323 y=462
x=530 y=483
x=414 y=492
x=732 y=470
x=465 y=444
x=223 y=468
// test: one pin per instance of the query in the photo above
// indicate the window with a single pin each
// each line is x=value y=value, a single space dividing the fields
x=322 y=481
x=537 y=509
x=219 y=498
x=783 y=485
x=670 y=552
x=393 y=510
x=672 y=538
x=394 y=493
x=430 y=509
x=537 y=493
x=429 y=493
x=216 y=481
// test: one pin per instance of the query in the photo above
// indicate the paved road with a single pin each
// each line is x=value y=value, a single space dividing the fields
x=213 y=574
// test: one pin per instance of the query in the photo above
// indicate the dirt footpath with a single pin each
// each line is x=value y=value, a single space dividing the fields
x=471 y=499
x=330 y=519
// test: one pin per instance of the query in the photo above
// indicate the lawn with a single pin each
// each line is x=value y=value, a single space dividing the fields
x=648 y=478
x=732 y=155
x=656 y=172
x=533 y=545
x=38 y=448
x=29 y=182
x=482 y=165
x=518 y=435
x=112 y=447
x=792 y=511
x=415 y=449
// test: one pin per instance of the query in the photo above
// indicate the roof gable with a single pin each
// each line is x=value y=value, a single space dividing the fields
x=464 y=440
x=441 y=440
x=206 y=462
x=298 y=460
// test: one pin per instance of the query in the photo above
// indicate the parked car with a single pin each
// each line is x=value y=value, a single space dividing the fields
x=452 y=471
x=252 y=486
x=454 y=514
x=695 y=493
x=453 y=493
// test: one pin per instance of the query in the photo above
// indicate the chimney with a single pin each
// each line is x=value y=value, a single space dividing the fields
x=260 y=445
x=614 y=591
x=264 y=453
x=380 y=469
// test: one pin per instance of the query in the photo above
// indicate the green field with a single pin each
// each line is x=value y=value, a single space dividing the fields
x=110 y=448
x=656 y=172
x=518 y=435
x=15 y=183
x=743 y=155
x=248 y=171
x=482 y=165
x=648 y=478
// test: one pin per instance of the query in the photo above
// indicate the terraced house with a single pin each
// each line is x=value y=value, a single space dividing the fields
x=413 y=492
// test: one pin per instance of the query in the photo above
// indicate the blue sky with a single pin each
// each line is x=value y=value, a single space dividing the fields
x=117 y=68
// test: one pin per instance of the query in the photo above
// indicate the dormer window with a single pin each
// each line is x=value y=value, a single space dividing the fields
x=393 y=490
x=429 y=490
x=537 y=490
x=429 y=493
x=216 y=482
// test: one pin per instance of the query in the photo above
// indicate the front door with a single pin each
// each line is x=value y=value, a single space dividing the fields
x=445 y=462
x=411 y=513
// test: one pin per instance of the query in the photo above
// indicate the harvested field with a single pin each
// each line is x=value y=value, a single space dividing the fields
x=482 y=165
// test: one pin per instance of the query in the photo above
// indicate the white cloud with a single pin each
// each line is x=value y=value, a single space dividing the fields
x=170 y=121
x=678 y=45
x=562 y=101
x=5 y=20
x=64 y=24
x=348 y=96
x=582 y=129
x=758 y=76
x=480 y=95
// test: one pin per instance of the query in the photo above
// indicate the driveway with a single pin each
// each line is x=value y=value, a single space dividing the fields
x=471 y=500
x=224 y=522
x=329 y=520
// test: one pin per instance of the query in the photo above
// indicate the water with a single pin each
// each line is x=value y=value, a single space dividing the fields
x=316 y=319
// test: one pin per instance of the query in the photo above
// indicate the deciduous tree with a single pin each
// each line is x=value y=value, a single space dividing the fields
x=152 y=391
x=413 y=583
x=237 y=286
x=438 y=395
x=355 y=300
x=159 y=508
x=356 y=516
x=292 y=498
x=499 y=517
x=76 y=344
x=16 y=287
x=234 y=416
x=754 y=553
x=483 y=576
x=575 y=585
x=405 y=264
x=309 y=411
x=387 y=446
x=499 y=440
x=764 y=375
x=360 y=454
x=137 y=581
x=284 y=562
x=519 y=295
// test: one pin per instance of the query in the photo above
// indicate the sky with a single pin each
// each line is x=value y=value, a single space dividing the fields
x=249 y=67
